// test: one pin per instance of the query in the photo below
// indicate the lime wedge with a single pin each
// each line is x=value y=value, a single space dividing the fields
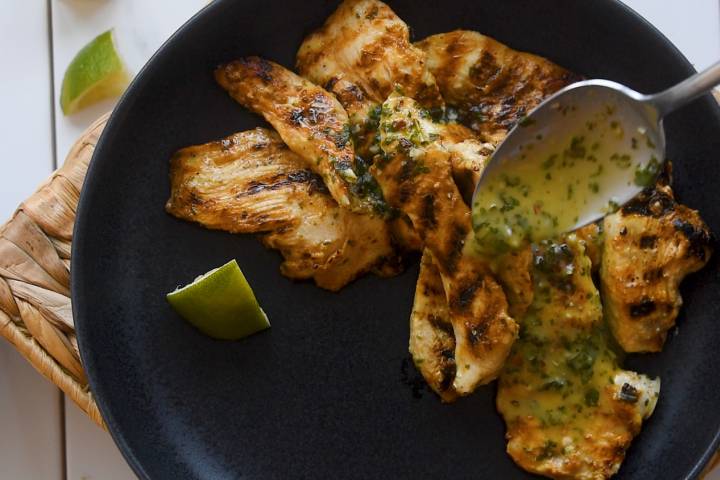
x=221 y=304
x=97 y=72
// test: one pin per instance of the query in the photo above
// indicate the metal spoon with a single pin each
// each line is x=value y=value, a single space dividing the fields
x=579 y=155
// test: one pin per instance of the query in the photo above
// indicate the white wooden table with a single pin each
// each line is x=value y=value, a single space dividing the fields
x=41 y=435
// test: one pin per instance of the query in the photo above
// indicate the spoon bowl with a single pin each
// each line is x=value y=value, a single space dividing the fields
x=579 y=155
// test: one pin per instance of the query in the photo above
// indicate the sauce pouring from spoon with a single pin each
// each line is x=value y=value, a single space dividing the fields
x=578 y=156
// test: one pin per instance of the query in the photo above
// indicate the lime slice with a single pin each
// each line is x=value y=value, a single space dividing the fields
x=221 y=304
x=97 y=72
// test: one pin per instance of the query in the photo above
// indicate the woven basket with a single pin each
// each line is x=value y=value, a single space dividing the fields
x=35 y=310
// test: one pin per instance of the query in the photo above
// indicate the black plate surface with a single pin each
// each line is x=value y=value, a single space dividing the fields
x=328 y=391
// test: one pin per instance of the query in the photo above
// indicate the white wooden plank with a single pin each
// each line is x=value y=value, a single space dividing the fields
x=31 y=434
x=91 y=453
x=25 y=126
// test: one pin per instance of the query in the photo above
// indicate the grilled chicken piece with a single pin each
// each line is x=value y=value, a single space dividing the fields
x=250 y=182
x=491 y=86
x=650 y=245
x=362 y=54
x=571 y=412
x=468 y=157
x=432 y=341
x=415 y=176
x=592 y=236
x=309 y=120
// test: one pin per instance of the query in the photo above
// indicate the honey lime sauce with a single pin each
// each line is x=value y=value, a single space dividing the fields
x=550 y=184
x=559 y=392
x=563 y=357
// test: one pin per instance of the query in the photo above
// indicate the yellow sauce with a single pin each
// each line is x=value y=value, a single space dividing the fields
x=563 y=359
x=542 y=188
x=567 y=403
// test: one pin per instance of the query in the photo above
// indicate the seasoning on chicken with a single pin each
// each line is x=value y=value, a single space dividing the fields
x=362 y=54
x=491 y=85
x=431 y=350
x=250 y=182
x=309 y=120
x=571 y=411
x=650 y=245
x=512 y=270
x=415 y=176
x=592 y=237
x=468 y=156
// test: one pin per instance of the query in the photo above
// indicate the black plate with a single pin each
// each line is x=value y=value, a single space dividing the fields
x=328 y=392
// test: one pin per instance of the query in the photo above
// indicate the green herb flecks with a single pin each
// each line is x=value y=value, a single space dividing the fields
x=645 y=175
x=367 y=188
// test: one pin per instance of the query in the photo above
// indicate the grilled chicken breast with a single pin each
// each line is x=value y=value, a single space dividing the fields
x=467 y=157
x=491 y=85
x=309 y=120
x=571 y=412
x=250 y=182
x=432 y=340
x=362 y=54
x=650 y=245
x=415 y=177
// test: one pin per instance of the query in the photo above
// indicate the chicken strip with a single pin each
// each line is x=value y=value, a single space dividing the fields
x=650 y=245
x=468 y=157
x=362 y=54
x=404 y=235
x=491 y=86
x=250 y=182
x=432 y=341
x=433 y=358
x=571 y=411
x=309 y=120
x=415 y=177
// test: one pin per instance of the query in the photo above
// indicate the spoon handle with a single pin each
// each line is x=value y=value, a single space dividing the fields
x=685 y=91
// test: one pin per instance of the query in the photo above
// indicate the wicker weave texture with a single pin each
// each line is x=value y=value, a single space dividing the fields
x=35 y=310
